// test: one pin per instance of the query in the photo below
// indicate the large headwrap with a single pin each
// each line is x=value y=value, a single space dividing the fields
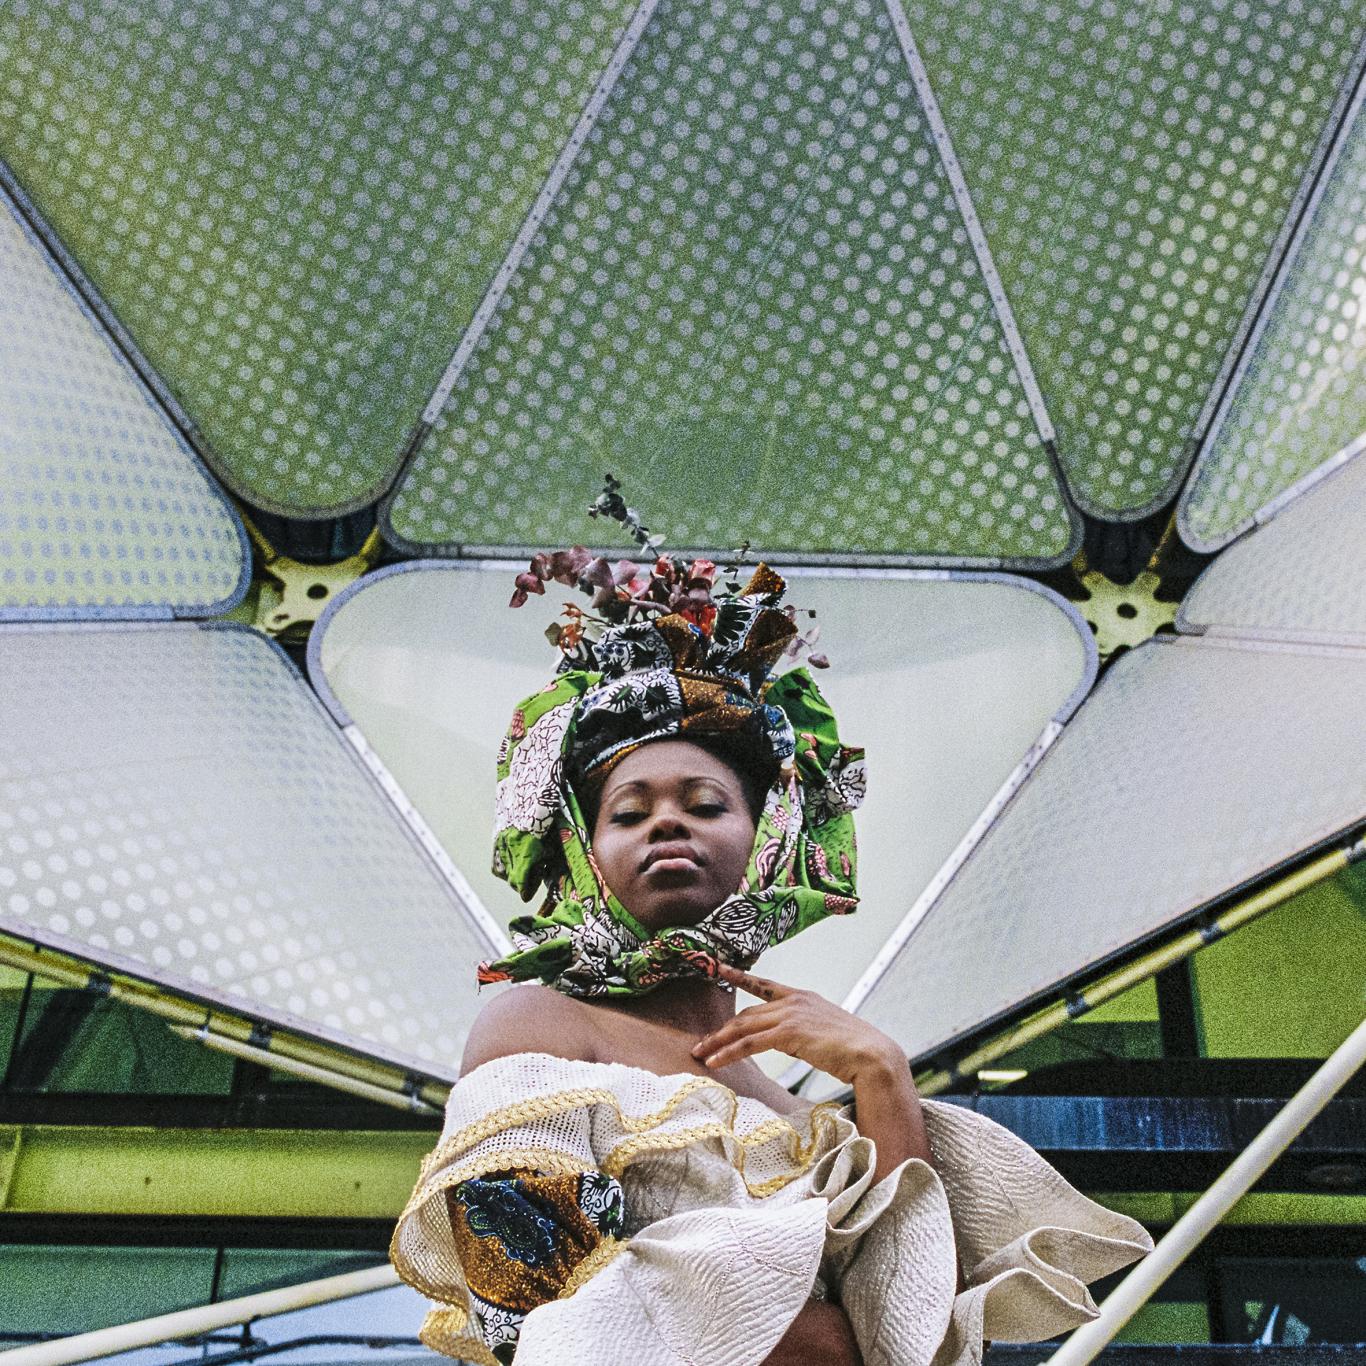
x=672 y=678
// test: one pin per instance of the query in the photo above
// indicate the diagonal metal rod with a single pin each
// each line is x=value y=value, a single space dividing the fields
x=1138 y=1286
x=205 y=1318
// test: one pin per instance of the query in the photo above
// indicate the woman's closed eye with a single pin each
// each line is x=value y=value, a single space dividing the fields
x=632 y=816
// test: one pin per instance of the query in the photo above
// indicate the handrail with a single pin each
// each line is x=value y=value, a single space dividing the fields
x=1138 y=1286
x=204 y=1318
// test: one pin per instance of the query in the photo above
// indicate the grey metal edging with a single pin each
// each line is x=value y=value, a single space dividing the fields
x=463 y=553
x=317 y=676
x=121 y=346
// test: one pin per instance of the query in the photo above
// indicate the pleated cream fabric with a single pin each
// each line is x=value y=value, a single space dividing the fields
x=736 y=1216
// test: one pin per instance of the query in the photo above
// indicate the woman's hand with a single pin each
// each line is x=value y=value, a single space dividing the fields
x=803 y=1025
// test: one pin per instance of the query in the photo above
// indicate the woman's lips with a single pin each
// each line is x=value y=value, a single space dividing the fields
x=671 y=858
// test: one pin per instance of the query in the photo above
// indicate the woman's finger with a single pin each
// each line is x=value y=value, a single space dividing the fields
x=744 y=1048
x=748 y=1021
x=762 y=987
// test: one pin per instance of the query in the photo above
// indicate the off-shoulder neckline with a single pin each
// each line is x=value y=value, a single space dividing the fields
x=680 y=1077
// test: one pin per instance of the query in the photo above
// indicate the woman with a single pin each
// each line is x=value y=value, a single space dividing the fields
x=618 y=1181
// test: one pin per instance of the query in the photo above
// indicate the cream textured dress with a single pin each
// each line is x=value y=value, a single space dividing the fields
x=729 y=1217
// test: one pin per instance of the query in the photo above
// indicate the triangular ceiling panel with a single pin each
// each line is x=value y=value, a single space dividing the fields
x=952 y=694
x=179 y=806
x=1135 y=167
x=756 y=301
x=104 y=510
x=294 y=208
x=1195 y=766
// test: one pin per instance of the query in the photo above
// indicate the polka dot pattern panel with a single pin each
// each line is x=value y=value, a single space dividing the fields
x=175 y=803
x=1133 y=166
x=754 y=301
x=1303 y=395
x=294 y=205
x=103 y=510
x=1194 y=767
x=1302 y=576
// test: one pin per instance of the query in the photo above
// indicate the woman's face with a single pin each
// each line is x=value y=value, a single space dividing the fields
x=673 y=833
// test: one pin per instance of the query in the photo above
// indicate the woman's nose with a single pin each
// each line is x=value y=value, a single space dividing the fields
x=667 y=822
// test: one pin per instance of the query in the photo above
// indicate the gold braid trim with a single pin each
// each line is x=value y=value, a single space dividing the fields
x=800 y=1154
x=606 y=1252
x=545 y=1107
x=443 y=1330
x=553 y=1162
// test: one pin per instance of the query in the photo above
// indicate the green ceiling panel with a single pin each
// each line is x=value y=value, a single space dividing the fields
x=1302 y=397
x=294 y=207
x=1134 y=167
x=754 y=300
x=104 y=511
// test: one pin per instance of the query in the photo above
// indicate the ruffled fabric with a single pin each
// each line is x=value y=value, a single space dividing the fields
x=734 y=1215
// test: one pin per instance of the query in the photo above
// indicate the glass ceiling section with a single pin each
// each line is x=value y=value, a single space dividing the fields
x=176 y=804
x=1303 y=390
x=104 y=511
x=1134 y=167
x=754 y=278
x=294 y=208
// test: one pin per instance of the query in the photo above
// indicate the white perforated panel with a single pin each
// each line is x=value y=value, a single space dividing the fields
x=1135 y=166
x=756 y=301
x=175 y=803
x=1194 y=767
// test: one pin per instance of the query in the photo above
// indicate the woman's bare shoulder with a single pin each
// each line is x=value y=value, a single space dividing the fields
x=529 y=1019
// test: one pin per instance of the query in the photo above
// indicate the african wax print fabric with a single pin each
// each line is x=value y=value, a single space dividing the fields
x=732 y=1216
x=658 y=680
x=522 y=1238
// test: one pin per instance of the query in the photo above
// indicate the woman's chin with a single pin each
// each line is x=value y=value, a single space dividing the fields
x=675 y=915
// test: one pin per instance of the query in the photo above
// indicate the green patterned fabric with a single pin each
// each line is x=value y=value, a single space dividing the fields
x=582 y=940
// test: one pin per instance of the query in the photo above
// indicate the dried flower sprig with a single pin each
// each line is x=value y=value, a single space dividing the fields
x=629 y=591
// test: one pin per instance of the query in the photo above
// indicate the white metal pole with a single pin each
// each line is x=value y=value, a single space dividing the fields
x=204 y=1318
x=1135 y=1289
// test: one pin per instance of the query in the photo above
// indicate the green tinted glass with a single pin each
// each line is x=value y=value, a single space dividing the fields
x=1292 y=984
x=77 y=1041
x=247 y=1270
x=78 y=1289
x=756 y=302
x=294 y=209
x=1133 y=166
